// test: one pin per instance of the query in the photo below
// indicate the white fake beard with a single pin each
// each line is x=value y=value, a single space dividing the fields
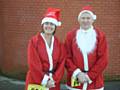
x=86 y=40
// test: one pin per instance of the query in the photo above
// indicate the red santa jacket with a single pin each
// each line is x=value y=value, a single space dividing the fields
x=39 y=64
x=97 y=60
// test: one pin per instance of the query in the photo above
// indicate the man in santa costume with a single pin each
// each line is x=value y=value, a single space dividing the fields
x=46 y=55
x=87 y=54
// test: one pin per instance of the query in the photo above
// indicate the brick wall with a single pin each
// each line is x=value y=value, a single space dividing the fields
x=22 y=20
x=1 y=32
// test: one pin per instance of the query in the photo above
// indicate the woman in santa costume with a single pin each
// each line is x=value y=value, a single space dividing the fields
x=46 y=55
x=87 y=54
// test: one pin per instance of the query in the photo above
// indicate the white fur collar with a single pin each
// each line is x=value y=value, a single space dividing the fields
x=86 y=40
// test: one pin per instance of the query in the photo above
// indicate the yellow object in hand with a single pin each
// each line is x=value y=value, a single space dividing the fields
x=36 y=87
x=74 y=82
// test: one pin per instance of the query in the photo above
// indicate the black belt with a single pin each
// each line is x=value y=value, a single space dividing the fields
x=50 y=71
x=84 y=71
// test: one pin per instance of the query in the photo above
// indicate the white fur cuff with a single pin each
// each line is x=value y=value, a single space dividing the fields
x=76 y=72
x=45 y=79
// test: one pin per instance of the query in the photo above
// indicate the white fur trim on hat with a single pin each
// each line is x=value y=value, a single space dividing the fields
x=52 y=20
x=91 y=13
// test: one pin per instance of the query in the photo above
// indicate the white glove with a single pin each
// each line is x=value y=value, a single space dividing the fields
x=82 y=77
x=50 y=84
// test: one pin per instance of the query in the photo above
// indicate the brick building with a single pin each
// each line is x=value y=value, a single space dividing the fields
x=20 y=19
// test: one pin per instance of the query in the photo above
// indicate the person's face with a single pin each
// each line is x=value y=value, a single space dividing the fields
x=86 y=21
x=48 y=28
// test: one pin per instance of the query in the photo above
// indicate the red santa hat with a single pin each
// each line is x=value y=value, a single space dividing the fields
x=52 y=15
x=89 y=10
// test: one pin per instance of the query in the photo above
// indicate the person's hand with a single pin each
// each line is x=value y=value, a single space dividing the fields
x=82 y=77
x=50 y=84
